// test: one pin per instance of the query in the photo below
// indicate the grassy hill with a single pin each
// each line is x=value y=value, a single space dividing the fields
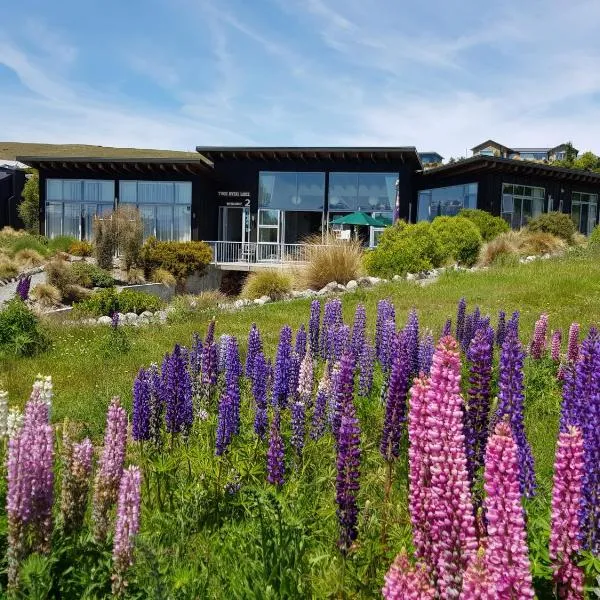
x=10 y=150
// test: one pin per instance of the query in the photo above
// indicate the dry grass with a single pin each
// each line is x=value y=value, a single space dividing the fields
x=163 y=276
x=511 y=245
x=135 y=276
x=8 y=231
x=329 y=260
x=8 y=268
x=272 y=283
x=28 y=258
x=46 y=295
x=579 y=239
x=539 y=242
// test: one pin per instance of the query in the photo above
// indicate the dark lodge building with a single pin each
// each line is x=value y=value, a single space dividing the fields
x=12 y=180
x=258 y=204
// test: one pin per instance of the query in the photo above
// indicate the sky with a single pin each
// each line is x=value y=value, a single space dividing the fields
x=440 y=75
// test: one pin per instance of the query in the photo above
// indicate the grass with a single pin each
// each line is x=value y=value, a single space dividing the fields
x=227 y=552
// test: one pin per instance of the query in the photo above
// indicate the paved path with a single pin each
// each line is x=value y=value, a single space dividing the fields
x=8 y=291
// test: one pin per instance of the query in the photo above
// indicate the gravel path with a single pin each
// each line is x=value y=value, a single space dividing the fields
x=8 y=292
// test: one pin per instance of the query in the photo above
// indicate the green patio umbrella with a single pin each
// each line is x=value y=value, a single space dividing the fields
x=358 y=218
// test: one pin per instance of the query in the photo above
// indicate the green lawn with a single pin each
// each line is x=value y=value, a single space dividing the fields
x=208 y=544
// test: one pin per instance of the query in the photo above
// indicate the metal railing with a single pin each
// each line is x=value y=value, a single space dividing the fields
x=256 y=252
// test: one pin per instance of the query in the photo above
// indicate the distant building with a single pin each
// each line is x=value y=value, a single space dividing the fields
x=12 y=180
x=431 y=158
x=492 y=148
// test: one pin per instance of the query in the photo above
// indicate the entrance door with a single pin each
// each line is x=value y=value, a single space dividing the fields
x=234 y=233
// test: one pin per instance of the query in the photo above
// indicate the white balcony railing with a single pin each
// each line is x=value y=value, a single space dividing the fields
x=256 y=252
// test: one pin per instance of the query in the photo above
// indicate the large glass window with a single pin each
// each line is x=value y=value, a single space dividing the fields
x=584 y=211
x=520 y=203
x=291 y=191
x=364 y=192
x=446 y=201
x=165 y=206
x=72 y=205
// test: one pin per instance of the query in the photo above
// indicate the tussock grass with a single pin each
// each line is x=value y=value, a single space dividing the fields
x=509 y=246
x=8 y=268
x=163 y=276
x=268 y=282
x=46 y=294
x=28 y=258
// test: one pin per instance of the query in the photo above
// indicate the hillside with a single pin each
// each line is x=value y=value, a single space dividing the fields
x=10 y=150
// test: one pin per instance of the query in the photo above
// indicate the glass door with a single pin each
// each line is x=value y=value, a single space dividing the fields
x=269 y=234
x=234 y=234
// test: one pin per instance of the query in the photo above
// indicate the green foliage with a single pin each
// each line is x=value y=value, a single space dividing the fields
x=27 y=242
x=181 y=259
x=90 y=275
x=594 y=239
x=29 y=207
x=60 y=275
x=35 y=577
x=61 y=243
x=267 y=282
x=489 y=226
x=116 y=341
x=107 y=301
x=558 y=224
x=105 y=242
x=20 y=331
x=460 y=238
x=406 y=249
x=185 y=307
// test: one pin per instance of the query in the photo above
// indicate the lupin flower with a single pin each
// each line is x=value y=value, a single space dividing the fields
x=314 y=324
x=426 y=350
x=385 y=349
x=332 y=318
x=452 y=528
x=385 y=313
x=275 y=453
x=76 y=472
x=538 y=343
x=3 y=414
x=321 y=401
x=209 y=357
x=225 y=424
x=23 y=287
x=460 y=319
x=298 y=411
x=556 y=345
x=403 y=582
x=513 y=323
x=305 y=379
x=142 y=394
x=177 y=391
x=114 y=319
x=300 y=345
x=43 y=390
x=342 y=391
x=573 y=344
x=126 y=527
x=411 y=334
x=254 y=347
x=566 y=505
x=196 y=352
x=222 y=354
x=510 y=403
x=358 y=330
x=348 y=459
x=506 y=554
x=30 y=480
x=477 y=582
x=233 y=372
x=108 y=478
x=340 y=341
x=447 y=329
x=479 y=397
x=366 y=365
x=501 y=329
x=259 y=391
x=468 y=331
x=282 y=369
x=395 y=408
x=14 y=421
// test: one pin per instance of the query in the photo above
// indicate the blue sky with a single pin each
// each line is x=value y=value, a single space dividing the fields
x=442 y=75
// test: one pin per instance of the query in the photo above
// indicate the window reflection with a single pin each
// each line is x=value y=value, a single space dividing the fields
x=584 y=211
x=521 y=203
x=446 y=201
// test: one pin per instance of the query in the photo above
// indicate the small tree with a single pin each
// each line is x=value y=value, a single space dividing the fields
x=29 y=207
x=120 y=230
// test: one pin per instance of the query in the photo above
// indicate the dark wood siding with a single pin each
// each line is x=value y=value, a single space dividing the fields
x=11 y=188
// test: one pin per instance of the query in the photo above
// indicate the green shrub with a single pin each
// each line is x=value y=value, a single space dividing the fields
x=107 y=301
x=594 y=239
x=559 y=224
x=81 y=248
x=89 y=275
x=181 y=259
x=460 y=237
x=29 y=207
x=406 y=248
x=20 y=331
x=268 y=282
x=27 y=242
x=61 y=243
x=489 y=226
x=105 y=242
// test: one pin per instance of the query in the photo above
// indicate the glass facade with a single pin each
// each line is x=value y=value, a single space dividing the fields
x=291 y=191
x=165 y=207
x=364 y=192
x=520 y=203
x=584 y=211
x=446 y=201
x=533 y=155
x=72 y=205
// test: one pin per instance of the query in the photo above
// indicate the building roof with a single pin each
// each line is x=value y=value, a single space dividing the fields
x=431 y=153
x=113 y=165
x=477 y=164
x=489 y=143
x=375 y=154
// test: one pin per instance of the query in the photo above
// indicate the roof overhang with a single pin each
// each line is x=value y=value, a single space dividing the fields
x=118 y=166
x=405 y=154
x=480 y=164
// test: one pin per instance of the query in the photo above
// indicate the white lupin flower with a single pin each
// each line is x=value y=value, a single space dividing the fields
x=43 y=390
x=14 y=421
x=3 y=414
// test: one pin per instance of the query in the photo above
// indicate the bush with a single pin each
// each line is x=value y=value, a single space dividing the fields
x=539 y=242
x=61 y=243
x=27 y=242
x=329 y=260
x=163 y=276
x=20 y=332
x=268 y=282
x=489 y=226
x=460 y=237
x=406 y=249
x=105 y=243
x=47 y=295
x=559 y=224
x=181 y=259
x=107 y=301
x=29 y=207
x=594 y=239
x=89 y=275
x=59 y=274
x=8 y=268
x=82 y=249
x=135 y=276
x=28 y=258
x=129 y=235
